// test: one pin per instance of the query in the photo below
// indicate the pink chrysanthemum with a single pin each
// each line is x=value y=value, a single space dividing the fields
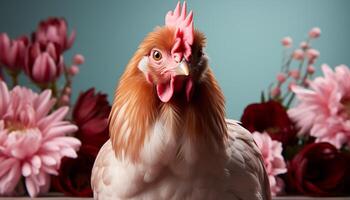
x=271 y=151
x=323 y=111
x=32 y=141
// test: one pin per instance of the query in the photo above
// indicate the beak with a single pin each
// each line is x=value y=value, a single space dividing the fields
x=182 y=68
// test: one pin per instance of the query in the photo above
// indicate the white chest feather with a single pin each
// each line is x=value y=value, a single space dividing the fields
x=172 y=167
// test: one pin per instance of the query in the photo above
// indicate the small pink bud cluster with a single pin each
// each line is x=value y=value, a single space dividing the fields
x=305 y=57
x=77 y=60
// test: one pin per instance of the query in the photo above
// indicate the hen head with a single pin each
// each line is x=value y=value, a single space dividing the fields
x=172 y=56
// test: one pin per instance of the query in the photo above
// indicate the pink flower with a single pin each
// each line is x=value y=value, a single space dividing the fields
x=310 y=69
x=304 y=45
x=312 y=54
x=298 y=54
x=73 y=70
x=323 y=111
x=281 y=77
x=291 y=85
x=12 y=52
x=295 y=74
x=275 y=92
x=43 y=64
x=32 y=140
x=287 y=41
x=315 y=32
x=271 y=151
x=78 y=59
x=54 y=30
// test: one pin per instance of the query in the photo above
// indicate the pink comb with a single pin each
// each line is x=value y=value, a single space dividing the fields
x=184 y=31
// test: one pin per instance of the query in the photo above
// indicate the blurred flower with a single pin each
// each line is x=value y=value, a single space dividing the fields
x=315 y=32
x=291 y=85
x=77 y=183
x=275 y=92
x=310 y=69
x=54 y=30
x=270 y=117
x=298 y=54
x=78 y=59
x=312 y=54
x=12 y=52
x=281 y=77
x=323 y=111
x=294 y=73
x=287 y=41
x=43 y=64
x=73 y=70
x=271 y=151
x=32 y=141
x=304 y=45
x=91 y=113
x=319 y=169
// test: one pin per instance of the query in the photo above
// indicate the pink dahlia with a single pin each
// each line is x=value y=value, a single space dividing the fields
x=323 y=111
x=271 y=151
x=32 y=140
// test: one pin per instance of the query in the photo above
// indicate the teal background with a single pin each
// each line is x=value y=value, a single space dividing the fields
x=243 y=36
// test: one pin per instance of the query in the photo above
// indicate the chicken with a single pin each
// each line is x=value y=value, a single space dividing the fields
x=169 y=138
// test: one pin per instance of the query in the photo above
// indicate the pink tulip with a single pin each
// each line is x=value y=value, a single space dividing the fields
x=312 y=54
x=78 y=59
x=54 y=30
x=315 y=32
x=43 y=65
x=287 y=41
x=298 y=54
x=12 y=52
x=281 y=77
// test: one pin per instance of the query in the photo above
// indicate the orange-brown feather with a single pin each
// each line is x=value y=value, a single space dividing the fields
x=202 y=117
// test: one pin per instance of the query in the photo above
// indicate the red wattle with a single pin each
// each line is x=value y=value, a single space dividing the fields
x=165 y=90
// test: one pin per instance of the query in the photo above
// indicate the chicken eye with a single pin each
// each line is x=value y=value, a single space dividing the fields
x=156 y=55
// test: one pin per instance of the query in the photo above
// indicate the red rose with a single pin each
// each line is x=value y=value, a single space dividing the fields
x=271 y=117
x=74 y=174
x=319 y=169
x=91 y=116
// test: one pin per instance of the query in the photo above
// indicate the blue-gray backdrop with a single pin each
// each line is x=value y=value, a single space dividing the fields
x=243 y=36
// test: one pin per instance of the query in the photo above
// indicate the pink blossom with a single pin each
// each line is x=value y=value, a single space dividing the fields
x=315 y=32
x=323 y=110
x=271 y=151
x=312 y=54
x=298 y=54
x=32 y=140
x=43 y=64
x=304 y=45
x=73 y=70
x=275 y=92
x=281 y=77
x=310 y=69
x=12 y=52
x=64 y=99
x=291 y=85
x=78 y=59
x=295 y=74
x=287 y=41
